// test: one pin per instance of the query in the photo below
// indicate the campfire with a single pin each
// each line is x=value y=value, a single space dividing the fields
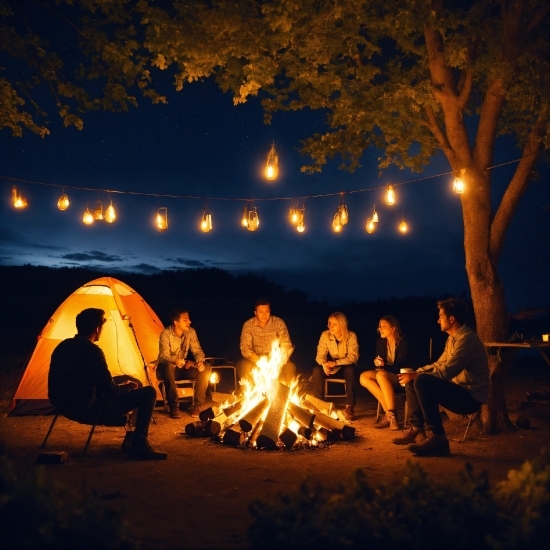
x=272 y=415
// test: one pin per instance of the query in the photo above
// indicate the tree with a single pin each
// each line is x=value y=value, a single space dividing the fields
x=410 y=77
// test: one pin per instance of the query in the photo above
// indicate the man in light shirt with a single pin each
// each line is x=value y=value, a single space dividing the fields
x=257 y=336
x=458 y=380
x=175 y=342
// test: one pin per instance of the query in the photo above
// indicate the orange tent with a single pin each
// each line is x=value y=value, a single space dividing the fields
x=129 y=340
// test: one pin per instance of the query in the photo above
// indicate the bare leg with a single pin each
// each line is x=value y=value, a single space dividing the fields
x=368 y=379
x=386 y=388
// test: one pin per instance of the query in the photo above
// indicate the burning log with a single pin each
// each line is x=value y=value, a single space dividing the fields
x=194 y=428
x=335 y=427
x=251 y=418
x=274 y=419
x=321 y=434
x=207 y=414
x=234 y=408
x=255 y=433
x=212 y=428
x=209 y=428
x=306 y=433
x=305 y=418
x=288 y=437
x=318 y=404
x=232 y=437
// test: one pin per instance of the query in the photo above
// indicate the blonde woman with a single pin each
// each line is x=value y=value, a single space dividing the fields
x=392 y=353
x=337 y=355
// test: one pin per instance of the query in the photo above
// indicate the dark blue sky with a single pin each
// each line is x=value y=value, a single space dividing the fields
x=200 y=144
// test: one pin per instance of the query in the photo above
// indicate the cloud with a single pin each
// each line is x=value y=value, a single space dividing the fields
x=187 y=262
x=144 y=268
x=92 y=256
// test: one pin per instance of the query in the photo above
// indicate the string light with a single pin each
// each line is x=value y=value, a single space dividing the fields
x=336 y=223
x=343 y=211
x=253 y=219
x=370 y=226
x=272 y=164
x=98 y=212
x=301 y=226
x=88 y=219
x=17 y=199
x=375 y=215
x=458 y=183
x=389 y=197
x=293 y=215
x=206 y=220
x=110 y=213
x=403 y=227
x=244 y=219
x=162 y=218
x=63 y=202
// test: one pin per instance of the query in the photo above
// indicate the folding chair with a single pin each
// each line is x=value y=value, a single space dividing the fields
x=334 y=381
x=122 y=421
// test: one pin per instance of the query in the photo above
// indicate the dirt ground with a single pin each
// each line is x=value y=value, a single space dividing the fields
x=199 y=497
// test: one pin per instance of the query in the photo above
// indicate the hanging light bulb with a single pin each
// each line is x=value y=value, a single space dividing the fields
x=293 y=215
x=343 y=211
x=390 y=195
x=63 y=202
x=206 y=221
x=98 y=211
x=458 y=186
x=300 y=226
x=403 y=227
x=272 y=164
x=375 y=215
x=253 y=220
x=110 y=213
x=336 y=223
x=88 y=219
x=17 y=199
x=244 y=218
x=370 y=226
x=162 y=218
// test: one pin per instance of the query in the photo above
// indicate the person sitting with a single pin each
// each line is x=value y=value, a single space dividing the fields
x=80 y=386
x=392 y=354
x=337 y=355
x=458 y=381
x=257 y=336
x=175 y=342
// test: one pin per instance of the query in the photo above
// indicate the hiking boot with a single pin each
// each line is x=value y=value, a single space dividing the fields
x=175 y=411
x=437 y=445
x=395 y=422
x=144 y=451
x=128 y=441
x=349 y=413
x=410 y=435
x=386 y=421
x=195 y=410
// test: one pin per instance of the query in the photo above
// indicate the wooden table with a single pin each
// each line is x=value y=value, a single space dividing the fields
x=541 y=346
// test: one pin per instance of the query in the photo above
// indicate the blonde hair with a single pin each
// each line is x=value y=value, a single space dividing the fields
x=342 y=320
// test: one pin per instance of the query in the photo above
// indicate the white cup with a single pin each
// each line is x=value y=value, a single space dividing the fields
x=403 y=371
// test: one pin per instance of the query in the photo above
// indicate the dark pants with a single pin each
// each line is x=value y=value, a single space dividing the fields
x=347 y=372
x=113 y=411
x=244 y=370
x=170 y=374
x=424 y=395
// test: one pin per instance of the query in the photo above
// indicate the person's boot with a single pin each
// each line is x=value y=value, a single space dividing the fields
x=141 y=450
x=349 y=413
x=436 y=445
x=395 y=421
x=410 y=435
x=128 y=441
x=175 y=411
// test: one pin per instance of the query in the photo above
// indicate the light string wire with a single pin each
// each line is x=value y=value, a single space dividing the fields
x=241 y=199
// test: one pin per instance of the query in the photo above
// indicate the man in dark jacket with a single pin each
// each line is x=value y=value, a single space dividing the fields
x=80 y=386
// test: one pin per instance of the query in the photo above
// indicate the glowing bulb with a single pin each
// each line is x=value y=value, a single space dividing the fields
x=403 y=227
x=293 y=216
x=336 y=223
x=244 y=219
x=272 y=164
x=206 y=222
x=343 y=210
x=110 y=214
x=88 y=219
x=214 y=377
x=390 y=196
x=17 y=199
x=63 y=202
x=162 y=218
x=253 y=220
x=375 y=216
x=458 y=186
x=370 y=225
x=98 y=212
x=301 y=226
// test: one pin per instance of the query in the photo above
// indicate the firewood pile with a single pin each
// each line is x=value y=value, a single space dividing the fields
x=283 y=421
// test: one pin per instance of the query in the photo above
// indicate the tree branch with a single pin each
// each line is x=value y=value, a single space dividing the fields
x=519 y=183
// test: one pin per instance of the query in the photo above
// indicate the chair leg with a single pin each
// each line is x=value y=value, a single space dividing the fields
x=50 y=430
x=93 y=428
x=470 y=420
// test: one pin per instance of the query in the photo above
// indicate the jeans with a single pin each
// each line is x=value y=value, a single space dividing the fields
x=347 y=372
x=424 y=395
x=170 y=374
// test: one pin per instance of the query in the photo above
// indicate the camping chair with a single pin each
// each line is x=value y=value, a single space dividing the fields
x=334 y=381
x=122 y=421
x=223 y=363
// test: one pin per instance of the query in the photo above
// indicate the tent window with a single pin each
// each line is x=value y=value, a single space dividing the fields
x=123 y=290
x=95 y=289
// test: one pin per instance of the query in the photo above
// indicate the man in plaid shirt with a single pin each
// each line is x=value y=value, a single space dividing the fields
x=257 y=337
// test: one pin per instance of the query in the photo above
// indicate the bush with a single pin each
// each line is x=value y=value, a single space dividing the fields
x=415 y=513
x=40 y=515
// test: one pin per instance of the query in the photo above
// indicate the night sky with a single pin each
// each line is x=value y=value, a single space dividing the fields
x=200 y=144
